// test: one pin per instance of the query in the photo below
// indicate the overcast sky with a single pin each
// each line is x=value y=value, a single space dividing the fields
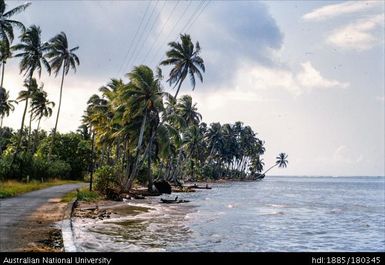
x=308 y=76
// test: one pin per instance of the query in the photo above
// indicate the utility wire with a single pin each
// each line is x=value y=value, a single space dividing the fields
x=149 y=32
x=134 y=38
x=168 y=35
x=203 y=7
x=161 y=31
x=137 y=44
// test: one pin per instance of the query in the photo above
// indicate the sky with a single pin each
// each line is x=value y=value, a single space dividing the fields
x=307 y=76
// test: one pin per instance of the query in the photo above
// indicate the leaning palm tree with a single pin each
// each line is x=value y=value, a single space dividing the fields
x=7 y=23
x=6 y=105
x=144 y=99
x=281 y=162
x=185 y=58
x=32 y=54
x=61 y=57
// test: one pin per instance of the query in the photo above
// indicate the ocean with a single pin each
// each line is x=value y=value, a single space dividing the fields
x=278 y=214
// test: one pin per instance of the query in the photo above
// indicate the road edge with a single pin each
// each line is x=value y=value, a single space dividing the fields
x=67 y=228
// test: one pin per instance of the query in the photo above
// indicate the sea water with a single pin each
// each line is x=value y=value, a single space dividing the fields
x=285 y=214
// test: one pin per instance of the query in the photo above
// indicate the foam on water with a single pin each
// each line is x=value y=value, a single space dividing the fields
x=277 y=214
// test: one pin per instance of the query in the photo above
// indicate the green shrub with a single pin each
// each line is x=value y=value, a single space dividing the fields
x=86 y=195
x=105 y=178
x=58 y=169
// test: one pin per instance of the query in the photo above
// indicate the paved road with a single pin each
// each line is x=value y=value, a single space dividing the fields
x=14 y=212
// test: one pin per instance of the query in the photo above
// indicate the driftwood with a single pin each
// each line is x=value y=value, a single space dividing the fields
x=195 y=186
x=173 y=201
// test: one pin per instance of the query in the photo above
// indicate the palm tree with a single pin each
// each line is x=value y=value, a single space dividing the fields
x=5 y=54
x=6 y=105
x=61 y=57
x=7 y=23
x=185 y=58
x=32 y=58
x=281 y=162
x=144 y=98
x=41 y=106
x=188 y=111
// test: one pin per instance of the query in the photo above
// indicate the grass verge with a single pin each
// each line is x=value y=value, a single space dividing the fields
x=13 y=188
x=83 y=195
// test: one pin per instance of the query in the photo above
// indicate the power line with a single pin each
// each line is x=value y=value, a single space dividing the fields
x=203 y=7
x=183 y=13
x=152 y=27
x=141 y=35
x=201 y=11
x=134 y=38
x=193 y=15
x=161 y=31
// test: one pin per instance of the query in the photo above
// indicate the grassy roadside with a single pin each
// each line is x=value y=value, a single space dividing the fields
x=83 y=195
x=13 y=188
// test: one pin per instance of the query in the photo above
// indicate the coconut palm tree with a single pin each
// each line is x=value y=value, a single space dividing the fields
x=41 y=106
x=188 y=111
x=144 y=99
x=32 y=54
x=5 y=54
x=281 y=162
x=185 y=59
x=61 y=58
x=7 y=23
x=6 y=105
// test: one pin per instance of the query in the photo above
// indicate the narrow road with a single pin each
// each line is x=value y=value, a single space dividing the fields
x=16 y=212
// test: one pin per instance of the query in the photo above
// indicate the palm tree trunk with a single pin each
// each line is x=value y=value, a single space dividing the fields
x=269 y=169
x=1 y=121
x=29 y=131
x=2 y=74
x=60 y=98
x=22 y=121
x=92 y=159
x=57 y=116
x=134 y=170
x=180 y=84
x=37 y=135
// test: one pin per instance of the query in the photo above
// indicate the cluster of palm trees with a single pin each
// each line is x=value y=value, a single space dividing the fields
x=145 y=131
x=134 y=126
x=53 y=55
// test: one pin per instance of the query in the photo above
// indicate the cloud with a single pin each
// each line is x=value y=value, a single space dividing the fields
x=381 y=99
x=334 y=10
x=236 y=33
x=254 y=78
x=359 y=35
x=309 y=77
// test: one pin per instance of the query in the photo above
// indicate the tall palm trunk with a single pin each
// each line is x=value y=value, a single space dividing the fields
x=60 y=98
x=29 y=131
x=134 y=170
x=180 y=84
x=37 y=135
x=2 y=73
x=57 y=116
x=22 y=120
x=92 y=159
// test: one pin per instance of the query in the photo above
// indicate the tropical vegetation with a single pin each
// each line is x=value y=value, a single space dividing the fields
x=132 y=131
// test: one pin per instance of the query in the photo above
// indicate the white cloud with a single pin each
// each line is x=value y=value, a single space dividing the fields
x=330 y=11
x=309 y=77
x=297 y=83
x=359 y=35
x=381 y=99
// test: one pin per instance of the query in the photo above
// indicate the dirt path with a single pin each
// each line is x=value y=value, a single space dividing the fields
x=28 y=221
